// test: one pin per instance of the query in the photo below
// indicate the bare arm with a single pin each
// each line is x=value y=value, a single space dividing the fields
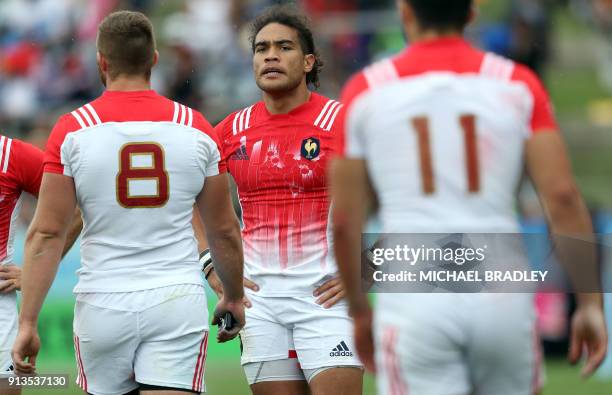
x=351 y=196
x=198 y=230
x=223 y=234
x=211 y=276
x=10 y=275
x=73 y=233
x=549 y=168
x=45 y=242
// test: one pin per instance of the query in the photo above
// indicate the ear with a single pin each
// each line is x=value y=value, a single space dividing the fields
x=473 y=14
x=155 y=57
x=102 y=62
x=406 y=12
x=409 y=19
x=309 y=63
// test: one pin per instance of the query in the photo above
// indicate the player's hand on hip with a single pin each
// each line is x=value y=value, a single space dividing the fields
x=588 y=334
x=236 y=309
x=364 y=339
x=10 y=278
x=330 y=293
x=217 y=287
x=215 y=284
x=25 y=350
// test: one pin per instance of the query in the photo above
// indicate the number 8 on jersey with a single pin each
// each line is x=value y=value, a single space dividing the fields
x=142 y=162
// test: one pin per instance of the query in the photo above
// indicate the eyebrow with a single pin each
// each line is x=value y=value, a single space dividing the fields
x=278 y=42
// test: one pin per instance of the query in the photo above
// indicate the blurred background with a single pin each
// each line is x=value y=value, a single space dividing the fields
x=47 y=67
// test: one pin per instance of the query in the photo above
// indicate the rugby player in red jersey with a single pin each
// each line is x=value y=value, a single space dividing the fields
x=298 y=334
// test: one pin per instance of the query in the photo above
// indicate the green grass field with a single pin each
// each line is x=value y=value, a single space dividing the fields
x=226 y=377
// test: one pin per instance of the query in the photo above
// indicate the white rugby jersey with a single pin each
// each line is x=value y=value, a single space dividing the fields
x=138 y=161
x=442 y=127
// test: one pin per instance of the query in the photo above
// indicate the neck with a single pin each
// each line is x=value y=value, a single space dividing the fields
x=431 y=35
x=284 y=102
x=128 y=84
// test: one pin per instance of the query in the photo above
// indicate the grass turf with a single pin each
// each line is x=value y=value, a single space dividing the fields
x=226 y=377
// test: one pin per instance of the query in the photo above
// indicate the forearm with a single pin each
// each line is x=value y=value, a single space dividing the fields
x=226 y=250
x=42 y=256
x=347 y=242
x=198 y=230
x=572 y=233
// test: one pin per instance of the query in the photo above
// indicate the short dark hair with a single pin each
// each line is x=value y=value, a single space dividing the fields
x=442 y=15
x=126 y=40
x=288 y=16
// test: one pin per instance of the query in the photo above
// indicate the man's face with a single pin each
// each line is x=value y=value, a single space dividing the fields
x=279 y=63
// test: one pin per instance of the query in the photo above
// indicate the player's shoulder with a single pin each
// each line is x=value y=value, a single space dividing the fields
x=374 y=76
x=19 y=147
x=324 y=111
x=17 y=154
x=239 y=121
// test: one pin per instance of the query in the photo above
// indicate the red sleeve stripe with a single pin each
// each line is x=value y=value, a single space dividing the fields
x=333 y=119
x=177 y=109
x=324 y=112
x=79 y=119
x=5 y=153
x=2 y=139
x=380 y=73
x=496 y=67
x=248 y=117
x=183 y=115
x=189 y=117
x=242 y=120
x=86 y=116
x=94 y=114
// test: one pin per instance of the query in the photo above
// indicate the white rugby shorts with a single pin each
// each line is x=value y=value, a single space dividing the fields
x=156 y=337
x=457 y=344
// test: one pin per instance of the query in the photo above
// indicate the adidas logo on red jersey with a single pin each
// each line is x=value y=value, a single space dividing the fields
x=240 y=154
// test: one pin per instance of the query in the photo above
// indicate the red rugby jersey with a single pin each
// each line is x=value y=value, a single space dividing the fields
x=21 y=166
x=279 y=163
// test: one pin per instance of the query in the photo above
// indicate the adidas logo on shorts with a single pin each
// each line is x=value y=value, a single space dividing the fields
x=341 y=350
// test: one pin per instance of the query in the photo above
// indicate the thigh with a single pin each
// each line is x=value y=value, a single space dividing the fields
x=336 y=381
x=8 y=331
x=174 y=342
x=419 y=346
x=322 y=337
x=280 y=387
x=278 y=371
x=264 y=337
x=504 y=353
x=105 y=341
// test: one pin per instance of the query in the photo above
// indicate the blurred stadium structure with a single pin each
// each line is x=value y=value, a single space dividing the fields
x=47 y=67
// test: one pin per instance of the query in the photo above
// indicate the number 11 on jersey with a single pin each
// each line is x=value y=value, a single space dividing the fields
x=468 y=125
